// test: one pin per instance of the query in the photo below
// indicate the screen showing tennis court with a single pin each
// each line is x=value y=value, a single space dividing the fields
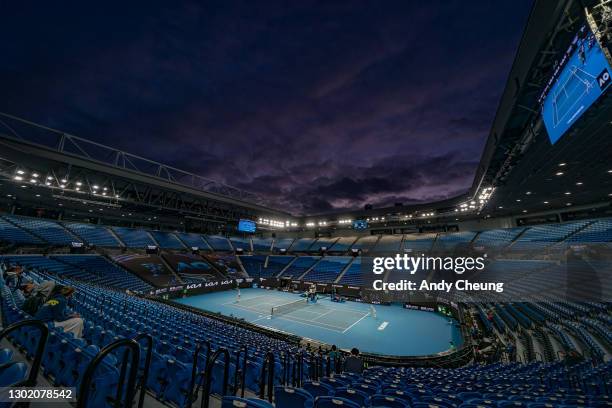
x=582 y=76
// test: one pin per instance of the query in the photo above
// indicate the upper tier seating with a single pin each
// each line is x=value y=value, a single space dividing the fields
x=241 y=243
x=322 y=243
x=537 y=237
x=261 y=244
x=134 y=238
x=283 y=243
x=497 y=238
x=343 y=244
x=302 y=244
x=365 y=244
x=50 y=231
x=389 y=243
x=218 y=243
x=328 y=269
x=599 y=231
x=419 y=243
x=450 y=241
x=15 y=235
x=97 y=235
x=167 y=240
x=193 y=240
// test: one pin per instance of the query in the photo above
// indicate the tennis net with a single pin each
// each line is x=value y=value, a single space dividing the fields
x=289 y=307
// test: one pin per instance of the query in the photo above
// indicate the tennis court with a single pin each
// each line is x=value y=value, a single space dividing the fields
x=394 y=330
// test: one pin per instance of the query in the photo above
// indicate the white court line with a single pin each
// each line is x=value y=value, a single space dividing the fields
x=319 y=325
x=362 y=317
x=324 y=314
x=260 y=318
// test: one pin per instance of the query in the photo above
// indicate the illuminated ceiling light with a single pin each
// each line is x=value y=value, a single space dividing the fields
x=559 y=173
x=473 y=202
x=62 y=185
x=528 y=193
x=78 y=183
x=524 y=211
x=35 y=175
x=64 y=180
x=545 y=202
x=95 y=187
x=22 y=186
x=562 y=164
x=32 y=180
x=500 y=207
x=116 y=195
x=609 y=171
x=518 y=200
x=47 y=183
x=579 y=183
x=568 y=204
x=20 y=172
x=49 y=177
x=105 y=189
x=37 y=195
x=104 y=193
x=18 y=178
x=568 y=193
x=78 y=188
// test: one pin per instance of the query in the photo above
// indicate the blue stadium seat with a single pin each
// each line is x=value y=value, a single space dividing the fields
x=13 y=373
x=388 y=401
x=317 y=389
x=290 y=397
x=237 y=402
x=334 y=402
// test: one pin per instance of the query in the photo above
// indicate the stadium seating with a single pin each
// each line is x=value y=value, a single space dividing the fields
x=193 y=240
x=15 y=235
x=365 y=244
x=327 y=269
x=93 y=234
x=342 y=245
x=299 y=266
x=538 y=237
x=302 y=245
x=254 y=265
x=218 y=243
x=50 y=231
x=389 y=243
x=242 y=243
x=282 y=243
x=451 y=240
x=167 y=240
x=419 y=243
x=134 y=238
x=497 y=238
x=353 y=274
x=261 y=244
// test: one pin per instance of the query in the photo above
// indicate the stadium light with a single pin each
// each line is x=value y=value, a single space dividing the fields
x=568 y=193
x=49 y=178
x=18 y=178
x=20 y=172
x=35 y=175
x=545 y=202
x=559 y=173
x=33 y=180
x=64 y=180
x=78 y=183
x=562 y=164
x=579 y=183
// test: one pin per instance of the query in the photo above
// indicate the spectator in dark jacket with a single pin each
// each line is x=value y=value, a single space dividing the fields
x=56 y=310
x=354 y=363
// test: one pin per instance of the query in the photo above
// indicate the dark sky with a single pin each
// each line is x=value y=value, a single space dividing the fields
x=314 y=105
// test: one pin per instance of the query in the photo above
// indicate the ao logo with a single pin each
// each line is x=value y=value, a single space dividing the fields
x=603 y=79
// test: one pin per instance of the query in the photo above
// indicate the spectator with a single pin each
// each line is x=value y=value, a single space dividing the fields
x=354 y=363
x=452 y=346
x=334 y=358
x=56 y=310
x=14 y=278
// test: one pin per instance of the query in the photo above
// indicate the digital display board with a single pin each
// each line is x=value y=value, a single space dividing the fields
x=581 y=77
x=246 y=226
x=360 y=224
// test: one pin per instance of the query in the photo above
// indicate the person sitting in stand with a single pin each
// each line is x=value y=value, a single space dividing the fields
x=56 y=310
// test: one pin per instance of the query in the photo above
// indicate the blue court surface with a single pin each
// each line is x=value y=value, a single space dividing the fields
x=394 y=330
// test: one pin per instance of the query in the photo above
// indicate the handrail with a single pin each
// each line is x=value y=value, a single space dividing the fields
x=134 y=348
x=31 y=381
x=267 y=368
x=194 y=369
x=244 y=366
x=208 y=373
x=147 y=364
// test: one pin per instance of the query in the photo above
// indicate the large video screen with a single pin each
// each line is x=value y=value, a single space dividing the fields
x=581 y=77
x=246 y=226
